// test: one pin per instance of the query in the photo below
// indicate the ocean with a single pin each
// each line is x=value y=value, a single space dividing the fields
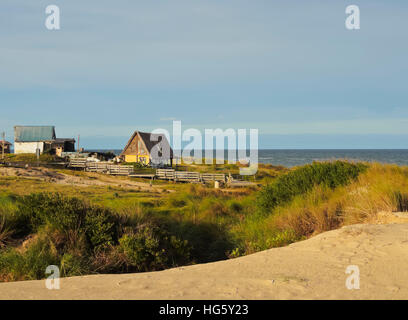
x=291 y=158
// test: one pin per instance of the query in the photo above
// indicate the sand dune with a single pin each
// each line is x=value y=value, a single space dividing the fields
x=311 y=269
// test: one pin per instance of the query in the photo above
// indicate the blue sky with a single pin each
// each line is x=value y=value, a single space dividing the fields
x=289 y=68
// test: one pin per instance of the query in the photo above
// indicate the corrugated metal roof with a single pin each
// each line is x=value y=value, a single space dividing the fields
x=34 y=133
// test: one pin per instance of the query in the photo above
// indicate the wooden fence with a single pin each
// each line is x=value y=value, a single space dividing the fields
x=77 y=163
x=120 y=170
x=210 y=177
x=187 y=176
x=101 y=167
x=164 y=174
x=108 y=168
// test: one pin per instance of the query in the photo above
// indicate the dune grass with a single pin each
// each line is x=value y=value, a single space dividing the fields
x=380 y=188
x=194 y=224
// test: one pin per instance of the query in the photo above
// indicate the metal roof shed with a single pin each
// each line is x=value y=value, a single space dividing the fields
x=34 y=133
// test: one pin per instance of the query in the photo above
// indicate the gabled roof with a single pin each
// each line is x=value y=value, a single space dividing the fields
x=150 y=140
x=6 y=143
x=34 y=133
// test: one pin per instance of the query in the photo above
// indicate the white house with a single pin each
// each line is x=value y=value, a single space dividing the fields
x=27 y=139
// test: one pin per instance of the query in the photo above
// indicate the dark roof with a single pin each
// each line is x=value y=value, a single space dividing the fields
x=5 y=142
x=60 y=140
x=150 y=140
x=147 y=139
x=34 y=133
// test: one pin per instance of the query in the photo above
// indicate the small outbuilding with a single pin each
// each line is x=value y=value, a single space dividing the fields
x=27 y=139
x=148 y=149
x=6 y=145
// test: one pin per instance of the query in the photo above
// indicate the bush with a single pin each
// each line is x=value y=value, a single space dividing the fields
x=149 y=248
x=236 y=207
x=29 y=265
x=52 y=209
x=209 y=241
x=72 y=265
x=303 y=179
x=100 y=227
x=177 y=203
x=69 y=215
x=83 y=239
x=272 y=240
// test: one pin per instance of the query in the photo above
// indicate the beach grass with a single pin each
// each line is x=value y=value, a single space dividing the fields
x=192 y=224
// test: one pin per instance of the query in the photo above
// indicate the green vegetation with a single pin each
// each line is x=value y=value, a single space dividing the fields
x=81 y=238
x=29 y=157
x=106 y=229
x=303 y=179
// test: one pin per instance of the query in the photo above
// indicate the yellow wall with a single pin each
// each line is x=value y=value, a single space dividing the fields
x=135 y=158
x=130 y=158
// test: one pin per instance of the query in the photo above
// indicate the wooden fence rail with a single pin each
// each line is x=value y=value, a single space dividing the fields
x=77 y=163
x=187 y=176
x=101 y=167
x=209 y=177
x=164 y=174
x=120 y=170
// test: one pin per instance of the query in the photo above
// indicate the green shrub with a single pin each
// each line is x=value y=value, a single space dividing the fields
x=53 y=209
x=209 y=241
x=100 y=227
x=12 y=265
x=4 y=232
x=236 y=207
x=72 y=265
x=69 y=215
x=177 y=203
x=29 y=265
x=139 y=165
x=38 y=256
x=149 y=248
x=303 y=179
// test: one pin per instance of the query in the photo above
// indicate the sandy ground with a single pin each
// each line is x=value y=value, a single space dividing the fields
x=311 y=269
x=90 y=179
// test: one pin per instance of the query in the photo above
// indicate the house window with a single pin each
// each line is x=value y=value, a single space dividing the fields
x=140 y=147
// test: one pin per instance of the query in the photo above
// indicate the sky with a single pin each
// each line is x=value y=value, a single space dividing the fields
x=288 y=68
